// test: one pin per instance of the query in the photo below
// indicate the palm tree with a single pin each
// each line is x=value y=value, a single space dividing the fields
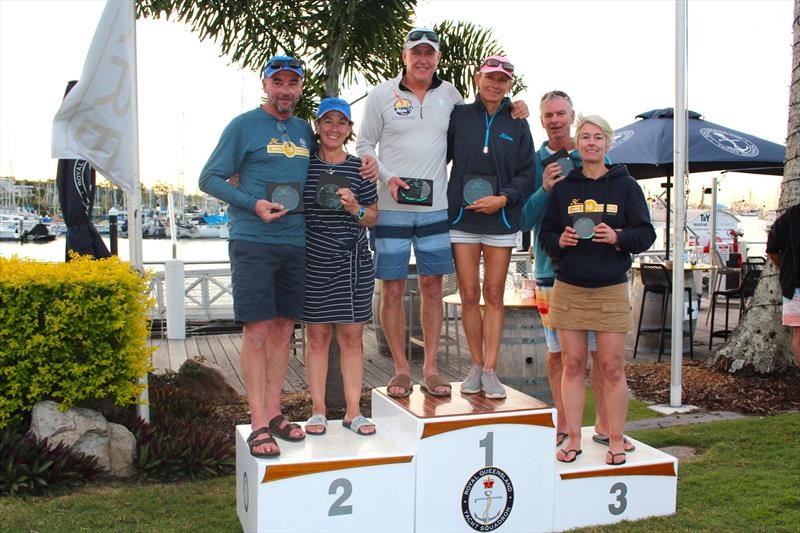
x=342 y=42
x=760 y=342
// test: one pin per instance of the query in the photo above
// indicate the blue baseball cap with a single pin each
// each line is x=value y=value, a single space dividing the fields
x=278 y=63
x=334 y=104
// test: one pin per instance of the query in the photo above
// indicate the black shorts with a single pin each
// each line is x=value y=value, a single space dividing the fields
x=268 y=280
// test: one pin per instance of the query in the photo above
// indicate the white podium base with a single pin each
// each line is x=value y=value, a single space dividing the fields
x=589 y=493
x=480 y=463
x=339 y=481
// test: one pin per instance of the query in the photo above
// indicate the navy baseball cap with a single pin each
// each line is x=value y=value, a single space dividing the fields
x=334 y=104
x=278 y=63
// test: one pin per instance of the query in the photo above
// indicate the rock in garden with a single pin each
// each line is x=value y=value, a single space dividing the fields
x=206 y=379
x=88 y=432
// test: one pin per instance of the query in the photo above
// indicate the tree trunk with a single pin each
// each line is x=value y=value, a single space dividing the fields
x=760 y=342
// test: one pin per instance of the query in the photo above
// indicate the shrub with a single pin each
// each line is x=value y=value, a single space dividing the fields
x=70 y=332
x=184 y=440
x=29 y=465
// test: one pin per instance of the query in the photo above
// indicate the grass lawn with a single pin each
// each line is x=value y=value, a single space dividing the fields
x=746 y=478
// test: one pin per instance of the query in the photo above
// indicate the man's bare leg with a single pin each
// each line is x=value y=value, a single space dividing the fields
x=393 y=322
x=432 y=316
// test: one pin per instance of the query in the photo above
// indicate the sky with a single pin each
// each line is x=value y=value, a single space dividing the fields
x=614 y=58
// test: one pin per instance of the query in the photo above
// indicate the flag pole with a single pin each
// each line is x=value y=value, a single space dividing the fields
x=135 y=210
x=679 y=171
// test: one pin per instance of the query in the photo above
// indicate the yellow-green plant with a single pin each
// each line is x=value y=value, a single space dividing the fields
x=70 y=332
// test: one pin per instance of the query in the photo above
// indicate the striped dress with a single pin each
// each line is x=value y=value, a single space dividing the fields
x=340 y=273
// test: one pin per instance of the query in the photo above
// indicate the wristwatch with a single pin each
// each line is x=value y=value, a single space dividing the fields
x=361 y=213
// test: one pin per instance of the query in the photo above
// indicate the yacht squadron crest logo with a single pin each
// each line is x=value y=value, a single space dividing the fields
x=730 y=142
x=487 y=499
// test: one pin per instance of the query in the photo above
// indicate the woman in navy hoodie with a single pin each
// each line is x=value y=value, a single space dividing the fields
x=491 y=177
x=595 y=220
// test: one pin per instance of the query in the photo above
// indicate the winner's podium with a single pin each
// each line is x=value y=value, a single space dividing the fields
x=480 y=464
x=458 y=463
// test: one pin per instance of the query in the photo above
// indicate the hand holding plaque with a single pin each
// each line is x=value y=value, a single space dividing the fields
x=289 y=195
x=563 y=159
x=327 y=187
x=419 y=192
x=477 y=187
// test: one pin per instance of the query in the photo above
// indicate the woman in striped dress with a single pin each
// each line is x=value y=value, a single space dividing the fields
x=339 y=268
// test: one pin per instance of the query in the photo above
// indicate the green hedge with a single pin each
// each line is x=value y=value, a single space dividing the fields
x=70 y=332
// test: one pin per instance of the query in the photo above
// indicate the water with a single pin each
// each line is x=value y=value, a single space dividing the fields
x=213 y=250
x=153 y=250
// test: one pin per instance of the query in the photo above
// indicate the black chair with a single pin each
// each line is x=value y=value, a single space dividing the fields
x=743 y=293
x=657 y=279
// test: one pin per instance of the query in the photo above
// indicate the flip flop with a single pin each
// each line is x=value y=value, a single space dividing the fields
x=602 y=439
x=613 y=460
x=430 y=383
x=254 y=442
x=357 y=423
x=284 y=432
x=400 y=381
x=567 y=453
x=561 y=437
x=317 y=419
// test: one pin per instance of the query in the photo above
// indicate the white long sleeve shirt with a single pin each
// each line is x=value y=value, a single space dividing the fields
x=408 y=139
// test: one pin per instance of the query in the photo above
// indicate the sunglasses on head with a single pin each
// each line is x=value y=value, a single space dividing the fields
x=284 y=63
x=416 y=35
x=505 y=65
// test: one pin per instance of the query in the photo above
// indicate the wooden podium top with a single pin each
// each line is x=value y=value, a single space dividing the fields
x=424 y=405
x=511 y=300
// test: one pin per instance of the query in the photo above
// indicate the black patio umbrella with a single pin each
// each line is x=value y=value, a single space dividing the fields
x=75 y=180
x=646 y=148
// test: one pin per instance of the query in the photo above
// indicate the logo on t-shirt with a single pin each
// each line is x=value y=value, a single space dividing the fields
x=287 y=148
x=403 y=107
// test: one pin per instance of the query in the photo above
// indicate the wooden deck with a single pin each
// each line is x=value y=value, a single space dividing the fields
x=378 y=369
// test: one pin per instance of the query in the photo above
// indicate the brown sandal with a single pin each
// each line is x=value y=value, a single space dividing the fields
x=254 y=442
x=430 y=384
x=284 y=432
x=400 y=381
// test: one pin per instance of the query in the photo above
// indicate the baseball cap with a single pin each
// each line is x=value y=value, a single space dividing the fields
x=498 y=64
x=278 y=63
x=419 y=36
x=334 y=104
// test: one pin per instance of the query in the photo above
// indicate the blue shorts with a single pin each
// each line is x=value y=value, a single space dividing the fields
x=427 y=230
x=551 y=338
x=269 y=280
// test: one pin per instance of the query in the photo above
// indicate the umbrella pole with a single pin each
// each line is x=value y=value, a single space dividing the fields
x=667 y=226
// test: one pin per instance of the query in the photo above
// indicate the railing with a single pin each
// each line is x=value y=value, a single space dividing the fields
x=207 y=293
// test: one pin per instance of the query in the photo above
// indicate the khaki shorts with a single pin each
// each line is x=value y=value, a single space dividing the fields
x=598 y=309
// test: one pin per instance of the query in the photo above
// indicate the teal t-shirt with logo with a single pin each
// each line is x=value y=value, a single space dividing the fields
x=262 y=149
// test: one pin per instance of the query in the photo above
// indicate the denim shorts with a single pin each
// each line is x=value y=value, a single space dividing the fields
x=268 y=280
x=428 y=231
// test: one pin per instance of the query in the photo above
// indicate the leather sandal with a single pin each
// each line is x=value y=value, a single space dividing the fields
x=400 y=381
x=254 y=442
x=430 y=383
x=284 y=432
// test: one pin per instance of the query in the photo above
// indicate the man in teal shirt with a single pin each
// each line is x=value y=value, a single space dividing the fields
x=266 y=147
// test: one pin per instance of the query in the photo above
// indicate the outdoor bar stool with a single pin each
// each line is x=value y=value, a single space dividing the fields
x=657 y=279
x=720 y=270
x=742 y=293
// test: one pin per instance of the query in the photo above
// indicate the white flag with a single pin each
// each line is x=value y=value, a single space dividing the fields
x=97 y=120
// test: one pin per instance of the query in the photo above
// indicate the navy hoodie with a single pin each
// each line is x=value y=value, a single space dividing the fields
x=591 y=264
x=510 y=158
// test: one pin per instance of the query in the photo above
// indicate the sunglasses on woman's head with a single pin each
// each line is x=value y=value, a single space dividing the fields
x=416 y=35
x=505 y=65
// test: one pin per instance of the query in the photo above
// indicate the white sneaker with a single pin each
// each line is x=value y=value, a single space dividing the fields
x=472 y=383
x=492 y=388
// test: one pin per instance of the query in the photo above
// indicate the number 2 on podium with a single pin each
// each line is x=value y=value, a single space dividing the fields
x=488 y=443
x=336 y=508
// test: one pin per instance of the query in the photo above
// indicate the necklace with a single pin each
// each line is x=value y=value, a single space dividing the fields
x=332 y=164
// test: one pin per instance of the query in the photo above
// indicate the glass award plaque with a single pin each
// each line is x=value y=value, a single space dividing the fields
x=327 y=186
x=562 y=158
x=584 y=227
x=289 y=195
x=477 y=187
x=419 y=192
